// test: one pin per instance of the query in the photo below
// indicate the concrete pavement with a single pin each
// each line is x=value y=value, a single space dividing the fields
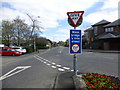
x=65 y=81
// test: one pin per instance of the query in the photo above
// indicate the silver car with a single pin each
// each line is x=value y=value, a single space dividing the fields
x=21 y=49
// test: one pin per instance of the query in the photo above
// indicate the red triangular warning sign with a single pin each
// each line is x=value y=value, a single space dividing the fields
x=75 y=17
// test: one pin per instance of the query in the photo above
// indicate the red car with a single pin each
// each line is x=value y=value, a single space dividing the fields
x=9 y=51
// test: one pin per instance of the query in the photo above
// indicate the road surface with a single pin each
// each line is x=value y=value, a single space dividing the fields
x=39 y=70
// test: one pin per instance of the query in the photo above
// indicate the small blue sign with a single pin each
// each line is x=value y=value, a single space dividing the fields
x=75 y=42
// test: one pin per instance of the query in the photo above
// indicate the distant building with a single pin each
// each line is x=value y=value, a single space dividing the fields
x=104 y=35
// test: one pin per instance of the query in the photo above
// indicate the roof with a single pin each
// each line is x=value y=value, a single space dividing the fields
x=89 y=29
x=102 y=22
x=106 y=36
x=115 y=23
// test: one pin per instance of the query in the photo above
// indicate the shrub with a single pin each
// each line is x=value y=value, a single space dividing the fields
x=29 y=49
x=42 y=47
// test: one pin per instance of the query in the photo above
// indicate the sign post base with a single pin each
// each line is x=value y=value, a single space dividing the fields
x=75 y=64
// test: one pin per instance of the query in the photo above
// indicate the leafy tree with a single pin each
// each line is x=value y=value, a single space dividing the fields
x=21 y=30
x=41 y=41
x=20 y=33
x=61 y=43
x=7 y=32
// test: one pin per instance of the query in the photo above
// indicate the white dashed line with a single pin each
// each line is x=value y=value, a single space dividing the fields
x=47 y=60
x=53 y=63
x=44 y=62
x=66 y=68
x=48 y=64
x=71 y=70
x=60 y=69
x=53 y=66
x=58 y=65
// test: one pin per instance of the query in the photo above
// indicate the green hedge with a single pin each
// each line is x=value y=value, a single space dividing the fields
x=29 y=49
x=42 y=47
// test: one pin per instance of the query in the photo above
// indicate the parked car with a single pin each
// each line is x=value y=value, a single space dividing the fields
x=0 y=50
x=10 y=51
x=1 y=46
x=20 y=49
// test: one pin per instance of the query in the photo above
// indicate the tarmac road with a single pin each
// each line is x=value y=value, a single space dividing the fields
x=41 y=70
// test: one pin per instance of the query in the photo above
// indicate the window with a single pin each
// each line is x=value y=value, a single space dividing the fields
x=95 y=30
x=6 y=50
x=111 y=29
x=13 y=50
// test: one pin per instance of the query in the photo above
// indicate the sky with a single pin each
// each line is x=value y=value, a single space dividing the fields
x=53 y=14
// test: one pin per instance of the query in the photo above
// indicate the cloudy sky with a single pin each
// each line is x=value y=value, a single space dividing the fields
x=53 y=15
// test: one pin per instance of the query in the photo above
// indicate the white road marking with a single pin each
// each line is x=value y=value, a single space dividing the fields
x=53 y=66
x=66 y=68
x=48 y=64
x=38 y=59
x=53 y=63
x=58 y=65
x=12 y=72
x=60 y=69
x=43 y=59
x=73 y=70
x=44 y=62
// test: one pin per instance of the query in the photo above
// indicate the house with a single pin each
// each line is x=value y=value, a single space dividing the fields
x=99 y=27
x=111 y=36
x=88 y=37
x=104 y=35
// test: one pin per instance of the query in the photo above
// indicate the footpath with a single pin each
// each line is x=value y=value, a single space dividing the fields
x=64 y=81
x=101 y=51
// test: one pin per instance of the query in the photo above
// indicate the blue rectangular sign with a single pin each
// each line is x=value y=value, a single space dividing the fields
x=75 y=42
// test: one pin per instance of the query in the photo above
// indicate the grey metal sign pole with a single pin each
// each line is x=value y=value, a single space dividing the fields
x=75 y=62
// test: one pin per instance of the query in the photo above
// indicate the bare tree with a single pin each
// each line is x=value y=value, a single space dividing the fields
x=35 y=28
x=35 y=25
